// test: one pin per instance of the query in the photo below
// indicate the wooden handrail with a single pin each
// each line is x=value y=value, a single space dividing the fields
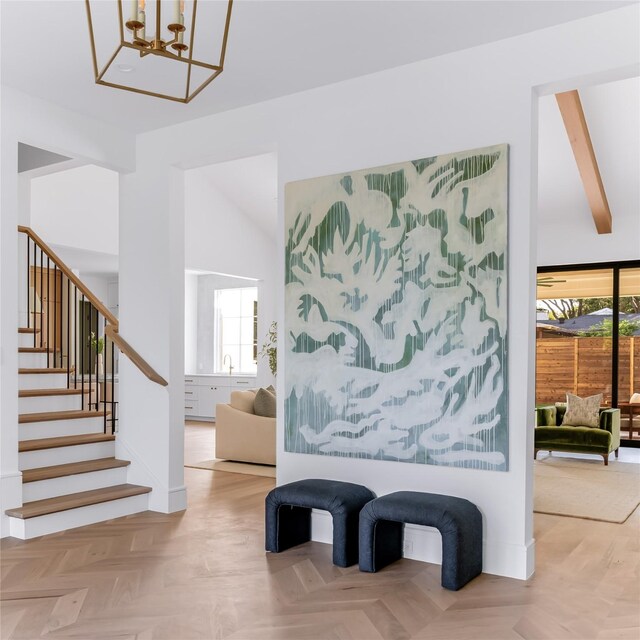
x=72 y=276
x=133 y=355
x=111 y=329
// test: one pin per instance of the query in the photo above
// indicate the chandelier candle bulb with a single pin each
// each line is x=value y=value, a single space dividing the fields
x=176 y=12
x=181 y=33
x=134 y=11
x=142 y=34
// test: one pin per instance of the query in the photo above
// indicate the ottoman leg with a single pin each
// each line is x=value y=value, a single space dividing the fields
x=380 y=543
x=345 y=539
x=286 y=526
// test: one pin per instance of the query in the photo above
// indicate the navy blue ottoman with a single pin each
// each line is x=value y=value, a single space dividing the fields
x=288 y=515
x=458 y=520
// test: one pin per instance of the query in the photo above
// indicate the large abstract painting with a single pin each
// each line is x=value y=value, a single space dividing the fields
x=396 y=312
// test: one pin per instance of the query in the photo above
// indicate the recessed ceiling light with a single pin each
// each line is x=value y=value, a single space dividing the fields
x=125 y=68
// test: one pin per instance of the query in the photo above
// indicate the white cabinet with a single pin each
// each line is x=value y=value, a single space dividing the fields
x=202 y=393
x=210 y=396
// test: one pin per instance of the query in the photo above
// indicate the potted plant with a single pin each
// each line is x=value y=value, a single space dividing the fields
x=269 y=348
x=97 y=344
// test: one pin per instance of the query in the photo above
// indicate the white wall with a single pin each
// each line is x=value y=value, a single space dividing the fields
x=468 y=99
x=222 y=238
x=566 y=231
x=77 y=208
x=35 y=122
x=190 y=322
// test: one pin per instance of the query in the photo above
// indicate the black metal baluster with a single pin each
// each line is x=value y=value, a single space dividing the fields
x=68 y=333
x=90 y=351
x=82 y=352
x=55 y=314
x=48 y=308
x=41 y=294
x=113 y=390
x=104 y=373
x=75 y=339
x=28 y=275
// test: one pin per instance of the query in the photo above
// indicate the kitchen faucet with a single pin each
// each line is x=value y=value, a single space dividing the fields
x=224 y=360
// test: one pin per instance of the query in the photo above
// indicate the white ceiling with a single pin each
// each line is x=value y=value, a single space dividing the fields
x=275 y=48
x=251 y=184
x=612 y=115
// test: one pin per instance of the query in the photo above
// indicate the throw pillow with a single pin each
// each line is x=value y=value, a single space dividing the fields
x=271 y=389
x=265 y=404
x=582 y=412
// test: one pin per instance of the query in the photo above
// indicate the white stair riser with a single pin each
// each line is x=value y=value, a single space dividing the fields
x=38 y=404
x=62 y=455
x=53 y=487
x=58 y=428
x=26 y=340
x=53 y=522
x=32 y=360
x=42 y=381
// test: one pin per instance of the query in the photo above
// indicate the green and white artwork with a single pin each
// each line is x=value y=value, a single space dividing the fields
x=396 y=312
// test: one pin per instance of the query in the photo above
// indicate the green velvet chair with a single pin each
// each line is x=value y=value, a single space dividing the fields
x=550 y=436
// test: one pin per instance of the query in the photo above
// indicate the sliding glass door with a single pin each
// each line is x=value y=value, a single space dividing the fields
x=588 y=337
x=629 y=351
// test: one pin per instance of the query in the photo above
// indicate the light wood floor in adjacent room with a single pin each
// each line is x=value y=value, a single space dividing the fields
x=204 y=574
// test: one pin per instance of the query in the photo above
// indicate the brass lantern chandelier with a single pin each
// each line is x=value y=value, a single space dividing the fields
x=163 y=34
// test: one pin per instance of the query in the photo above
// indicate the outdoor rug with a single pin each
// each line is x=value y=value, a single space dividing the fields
x=581 y=488
x=235 y=467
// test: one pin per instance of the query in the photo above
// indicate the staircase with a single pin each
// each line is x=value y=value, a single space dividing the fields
x=67 y=422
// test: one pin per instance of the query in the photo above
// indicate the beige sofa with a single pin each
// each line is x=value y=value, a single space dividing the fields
x=243 y=436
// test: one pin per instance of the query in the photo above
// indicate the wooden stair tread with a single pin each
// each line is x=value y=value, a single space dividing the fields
x=63 y=441
x=44 y=370
x=48 y=416
x=34 y=393
x=72 y=468
x=34 y=350
x=75 y=500
x=28 y=330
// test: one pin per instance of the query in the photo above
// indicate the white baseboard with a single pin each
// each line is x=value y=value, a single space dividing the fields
x=10 y=497
x=425 y=545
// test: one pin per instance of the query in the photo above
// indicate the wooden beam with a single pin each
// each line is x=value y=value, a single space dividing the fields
x=578 y=132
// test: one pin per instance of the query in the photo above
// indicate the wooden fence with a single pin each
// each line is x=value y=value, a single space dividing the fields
x=583 y=366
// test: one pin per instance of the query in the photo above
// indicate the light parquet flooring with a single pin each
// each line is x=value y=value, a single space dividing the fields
x=203 y=574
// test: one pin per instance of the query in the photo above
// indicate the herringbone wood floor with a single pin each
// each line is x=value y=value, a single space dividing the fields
x=204 y=574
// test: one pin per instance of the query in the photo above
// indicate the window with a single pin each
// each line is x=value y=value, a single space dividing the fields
x=235 y=338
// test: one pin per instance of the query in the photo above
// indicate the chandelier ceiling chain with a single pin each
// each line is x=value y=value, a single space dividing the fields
x=133 y=34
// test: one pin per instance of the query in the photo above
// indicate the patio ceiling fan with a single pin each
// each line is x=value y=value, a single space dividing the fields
x=548 y=281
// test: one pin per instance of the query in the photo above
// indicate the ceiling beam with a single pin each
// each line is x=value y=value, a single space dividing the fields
x=578 y=132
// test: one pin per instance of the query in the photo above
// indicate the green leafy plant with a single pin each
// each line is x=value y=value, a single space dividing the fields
x=605 y=329
x=269 y=348
x=96 y=343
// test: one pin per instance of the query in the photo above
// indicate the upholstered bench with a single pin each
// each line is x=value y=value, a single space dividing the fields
x=288 y=515
x=458 y=520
